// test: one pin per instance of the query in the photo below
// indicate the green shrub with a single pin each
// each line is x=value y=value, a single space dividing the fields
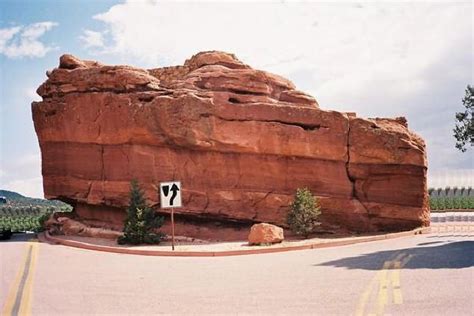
x=41 y=220
x=457 y=201
x=441 y=203
x=303 y=216
x=448 y=203
x=24 y=218
x=463 y=201
x=470 y=203
x=433 y=203
x=451 y=202
x=142 y=222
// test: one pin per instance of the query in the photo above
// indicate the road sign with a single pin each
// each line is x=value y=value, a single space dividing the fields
x=170 y=194
x=170 y=197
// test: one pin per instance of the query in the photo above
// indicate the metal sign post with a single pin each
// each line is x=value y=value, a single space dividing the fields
x=172 y=229
x=170 y=198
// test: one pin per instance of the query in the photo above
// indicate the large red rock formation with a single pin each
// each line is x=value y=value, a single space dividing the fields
x=240 y=140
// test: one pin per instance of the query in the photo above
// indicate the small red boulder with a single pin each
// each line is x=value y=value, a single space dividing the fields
x=264 y=233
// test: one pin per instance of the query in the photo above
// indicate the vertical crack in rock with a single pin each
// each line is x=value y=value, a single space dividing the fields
x=99 y=126
x=207 y=202
x=351 y=178
x=98 y=132
x=124 y=152
x=102 y=163
x=348 y=146
x=254 y=204
x=88 y=190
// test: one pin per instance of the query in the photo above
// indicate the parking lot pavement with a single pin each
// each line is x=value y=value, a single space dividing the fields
x=428 y=274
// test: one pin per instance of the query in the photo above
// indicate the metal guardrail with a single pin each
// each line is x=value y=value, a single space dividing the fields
x=452 y=217
x=453 y=222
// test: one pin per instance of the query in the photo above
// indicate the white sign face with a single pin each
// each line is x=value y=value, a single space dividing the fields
x=170 y=194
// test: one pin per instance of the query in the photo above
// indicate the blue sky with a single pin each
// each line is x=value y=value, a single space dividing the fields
x=21 y=75
x=410 y=59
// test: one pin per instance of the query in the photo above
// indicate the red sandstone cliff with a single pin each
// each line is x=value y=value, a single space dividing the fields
x=240 y=141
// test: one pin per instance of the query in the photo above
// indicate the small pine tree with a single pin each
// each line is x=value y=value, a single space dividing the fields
x=303 y=216
x=142 y=221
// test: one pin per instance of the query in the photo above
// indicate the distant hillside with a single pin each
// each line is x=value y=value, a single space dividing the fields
x=16 y=199
x=11 y=195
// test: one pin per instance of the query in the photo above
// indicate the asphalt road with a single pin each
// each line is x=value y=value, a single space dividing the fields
x=419 y=275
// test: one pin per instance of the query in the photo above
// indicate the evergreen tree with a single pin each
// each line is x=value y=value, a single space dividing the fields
x=464 y=129
x=142 y=221
x=304 y=213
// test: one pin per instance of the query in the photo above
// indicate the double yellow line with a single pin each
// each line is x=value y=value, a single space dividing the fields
x=385 y=281
x=18 y=301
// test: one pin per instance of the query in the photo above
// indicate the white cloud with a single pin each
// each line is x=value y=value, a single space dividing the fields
x=31 y=187
x=23 y=41
x=7 y=34
x=23 y=175
x=92 y=39
x=346 y=50
x=32 y=95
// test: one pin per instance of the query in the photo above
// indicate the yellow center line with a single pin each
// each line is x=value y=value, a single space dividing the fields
x=395 y=279
x=365 y=296
x=25 y=307
x=18 y=301
x=397 y=293
x=368 y=291
x=405 y=260
x=382 y=298
x=396 y=274
x=384 y=282
x=12 y=294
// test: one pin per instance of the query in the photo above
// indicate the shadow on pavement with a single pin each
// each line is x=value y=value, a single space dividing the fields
x=452 y=255
x=21 y=237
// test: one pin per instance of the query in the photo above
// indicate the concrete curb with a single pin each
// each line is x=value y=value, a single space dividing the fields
x=46 y=237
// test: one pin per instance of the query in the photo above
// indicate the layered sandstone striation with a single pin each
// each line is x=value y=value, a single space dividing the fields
x=240 y=140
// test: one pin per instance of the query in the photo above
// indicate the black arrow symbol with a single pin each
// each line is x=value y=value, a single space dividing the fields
x=175 y=190
x=166 y=190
